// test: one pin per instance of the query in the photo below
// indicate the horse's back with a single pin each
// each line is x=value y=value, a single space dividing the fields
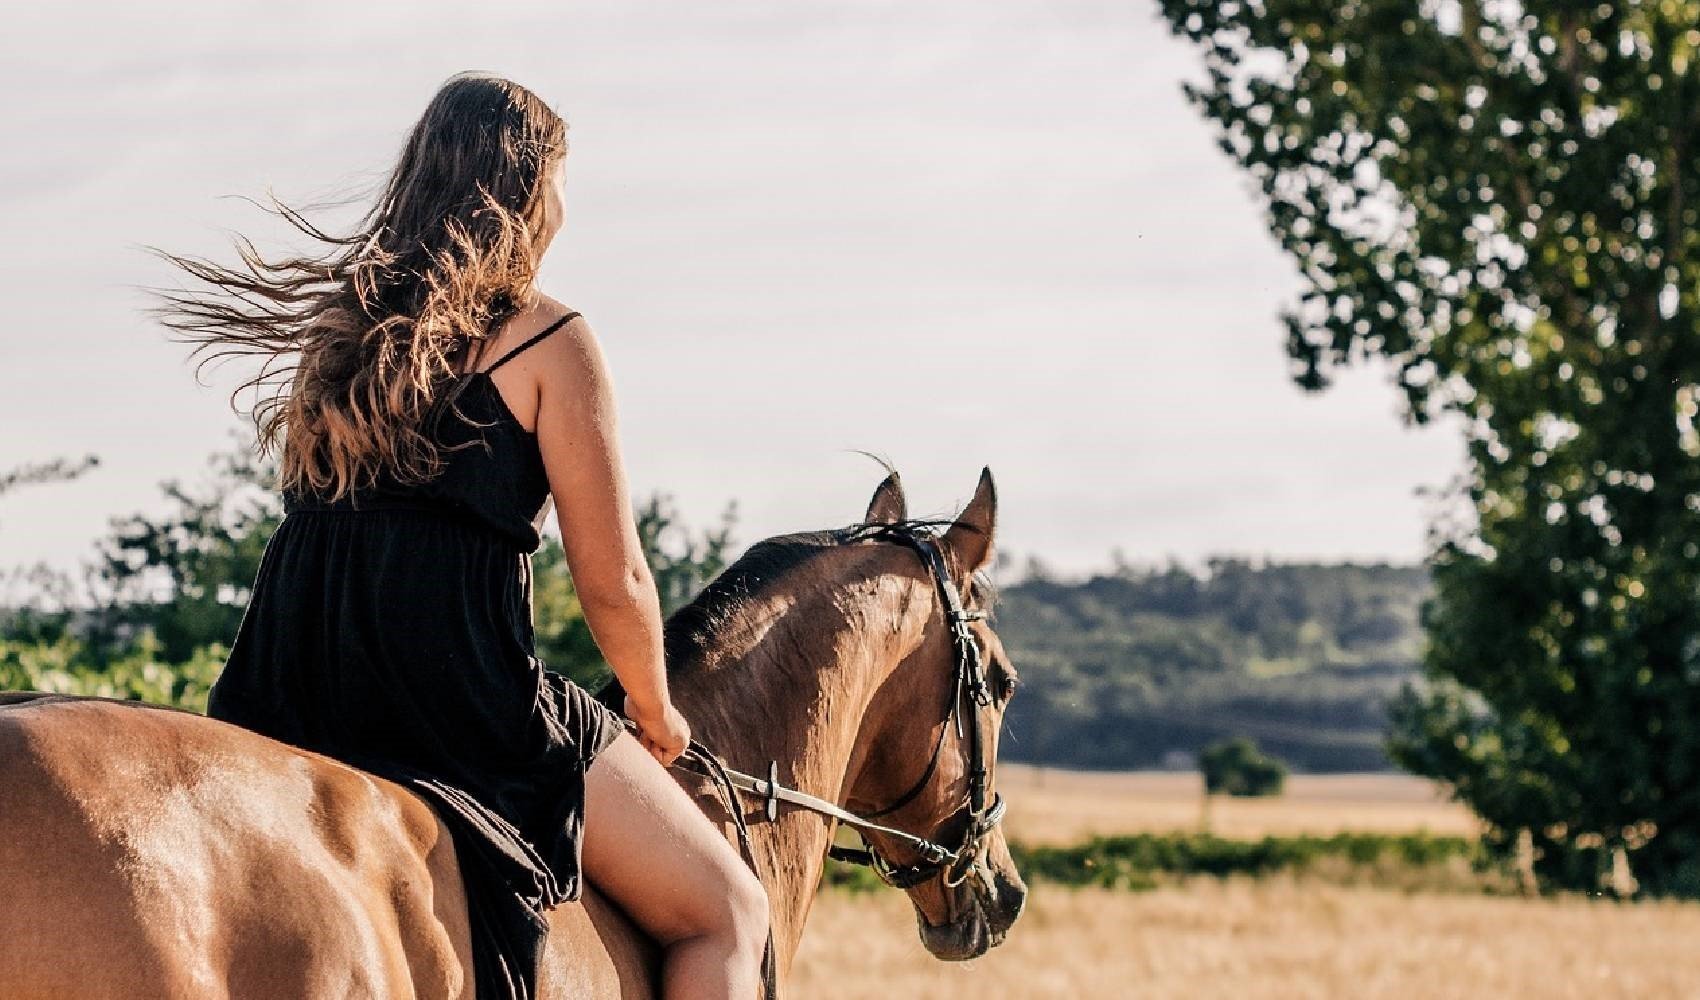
x=147 y=852
x=150 y=852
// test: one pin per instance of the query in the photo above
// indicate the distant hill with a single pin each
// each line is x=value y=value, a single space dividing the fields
x=1143 y=668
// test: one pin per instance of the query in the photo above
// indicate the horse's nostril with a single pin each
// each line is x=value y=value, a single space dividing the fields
x=1009 y=898
x=1016 y=901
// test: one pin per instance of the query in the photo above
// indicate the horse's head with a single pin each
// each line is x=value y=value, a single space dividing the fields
x=864 y=653
x=926 y=733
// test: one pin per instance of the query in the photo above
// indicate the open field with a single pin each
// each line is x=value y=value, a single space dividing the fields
x=1279 y=936
x=1056 y=806
x=1273 y=937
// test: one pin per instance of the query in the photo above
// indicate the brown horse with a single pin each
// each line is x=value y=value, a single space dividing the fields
x=149 y=852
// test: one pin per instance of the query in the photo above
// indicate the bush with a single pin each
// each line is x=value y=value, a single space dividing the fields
x=1135 y=861
x=66 y=666
x=1238 y=767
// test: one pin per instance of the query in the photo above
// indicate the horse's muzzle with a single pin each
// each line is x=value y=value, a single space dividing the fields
x=986 y=905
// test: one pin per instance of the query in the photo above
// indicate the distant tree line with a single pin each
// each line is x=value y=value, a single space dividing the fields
x=1146 y=667
x=1133 y=668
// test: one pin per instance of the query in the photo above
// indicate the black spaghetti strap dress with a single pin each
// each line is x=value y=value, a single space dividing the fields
x=392 y=629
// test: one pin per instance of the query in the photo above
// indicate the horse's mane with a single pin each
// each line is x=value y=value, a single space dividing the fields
x=692 y=628
x=695 y=627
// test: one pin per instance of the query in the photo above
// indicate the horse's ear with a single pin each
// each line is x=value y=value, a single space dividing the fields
x=888 y=505
x=970 y=538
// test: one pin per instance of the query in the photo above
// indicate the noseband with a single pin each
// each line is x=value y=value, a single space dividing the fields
x=968 y=684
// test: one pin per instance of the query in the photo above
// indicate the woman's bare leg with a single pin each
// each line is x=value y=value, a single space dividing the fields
x=650 y=849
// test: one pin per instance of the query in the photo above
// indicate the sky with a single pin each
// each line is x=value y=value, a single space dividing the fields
x=954 y=234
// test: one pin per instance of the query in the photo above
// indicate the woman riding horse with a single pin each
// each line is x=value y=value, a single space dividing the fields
x=436 y=401
x=152 y=852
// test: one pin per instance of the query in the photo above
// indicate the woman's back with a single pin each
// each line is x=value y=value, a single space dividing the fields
x=492 y=471
x=392 y=629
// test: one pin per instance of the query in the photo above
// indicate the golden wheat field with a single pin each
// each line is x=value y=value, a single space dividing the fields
x=1053 y=806
x=1240 y=937
x=1272 y=937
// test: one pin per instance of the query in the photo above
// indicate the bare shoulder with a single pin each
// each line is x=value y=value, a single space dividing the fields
x=571 y=358
x=544 y=313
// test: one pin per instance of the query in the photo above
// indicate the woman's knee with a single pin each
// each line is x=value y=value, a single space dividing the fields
x=748 y=904
x=674 y=871
x=736 y=910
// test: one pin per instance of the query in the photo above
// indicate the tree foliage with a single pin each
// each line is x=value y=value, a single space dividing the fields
x=1501 y=199
x=184 y=577
x=57 y=470
x=681 y=561
x=67 y=665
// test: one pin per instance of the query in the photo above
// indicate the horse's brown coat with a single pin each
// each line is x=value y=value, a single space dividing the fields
x=146 y=852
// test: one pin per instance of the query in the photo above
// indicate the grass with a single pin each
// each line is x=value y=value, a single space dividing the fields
x=1275 y=936
x=1364 y=890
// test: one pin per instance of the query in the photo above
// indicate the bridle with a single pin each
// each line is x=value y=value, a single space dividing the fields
x=969 y=684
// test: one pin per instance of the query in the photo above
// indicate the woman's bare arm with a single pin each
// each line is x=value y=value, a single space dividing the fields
x=578 y=435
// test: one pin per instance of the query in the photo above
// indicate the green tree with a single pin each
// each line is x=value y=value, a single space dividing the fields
x=1238 y=767
x=53 y=588
x=682 y=563
x=58 y=470
x=562 y=637
x=185 y=577
x=1501 y=199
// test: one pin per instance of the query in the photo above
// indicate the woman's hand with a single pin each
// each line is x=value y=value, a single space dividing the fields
x=664 y=734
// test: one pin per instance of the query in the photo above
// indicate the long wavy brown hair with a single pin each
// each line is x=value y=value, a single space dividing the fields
x=359 y=342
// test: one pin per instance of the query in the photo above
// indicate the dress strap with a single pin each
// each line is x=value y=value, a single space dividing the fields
x=551 y=328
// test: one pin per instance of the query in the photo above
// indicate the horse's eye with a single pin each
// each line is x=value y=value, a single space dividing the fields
x=1006 y=687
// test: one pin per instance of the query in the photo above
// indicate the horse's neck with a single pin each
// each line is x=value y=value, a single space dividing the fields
x=807 y=717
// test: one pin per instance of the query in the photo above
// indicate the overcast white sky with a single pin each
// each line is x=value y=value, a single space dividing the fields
x=954 y=233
